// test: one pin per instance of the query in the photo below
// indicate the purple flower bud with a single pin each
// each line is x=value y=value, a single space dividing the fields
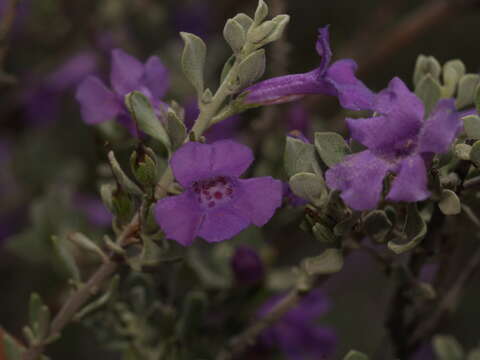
x=247 y=266
x=337 y=79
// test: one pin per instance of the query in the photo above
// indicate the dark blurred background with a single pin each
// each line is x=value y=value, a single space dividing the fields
x=50 y=160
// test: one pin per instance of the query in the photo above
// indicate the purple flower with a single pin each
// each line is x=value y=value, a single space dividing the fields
x=247 y=266
x=337 y=79
x=216 y=204
x=399 y=141
x=42 y=102
x=99 y=104
x=296 y=334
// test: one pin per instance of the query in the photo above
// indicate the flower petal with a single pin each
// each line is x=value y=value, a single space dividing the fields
x=360 y=178
x=259 y=199
x=411 y=182
x=179 y=217
x=97 y=103
x=222 y=224
x=126 y=73
x=323 y=47
x=156 y=77
x=400 y=104
x=352 y=93
x=195 y=161
x=287 y=88
x=440 y=128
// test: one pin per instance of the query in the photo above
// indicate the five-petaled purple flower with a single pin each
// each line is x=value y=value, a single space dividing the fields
x=399 y=141
x=99 y=104
x=297 y=334
x=337 y=79
x=216 y=204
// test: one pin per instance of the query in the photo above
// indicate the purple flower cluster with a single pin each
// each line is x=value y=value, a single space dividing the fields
x=297 y=334
x=399 y=141
x=337 y=79
x=99 y=104
x=216 y=203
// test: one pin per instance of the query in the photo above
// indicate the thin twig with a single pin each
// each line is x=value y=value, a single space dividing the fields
x=426 y=328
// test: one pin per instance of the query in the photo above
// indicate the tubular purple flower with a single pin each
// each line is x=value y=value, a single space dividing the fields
x=99 y=104
x=216 y=204
x=399 y=141
x=297 y=334
x=337 y=79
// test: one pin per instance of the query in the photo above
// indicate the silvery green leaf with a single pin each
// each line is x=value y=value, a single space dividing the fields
x=259 y=34
x=121 y=177
x=429 y=91
x=328 y=262
x=145 y=118
x=39 y=317
x=13 y=349
x=176 y=130
x=477 y=99
x=324 y=234
x=282 y=22
x=234 y=34
x=377 y=225
x=193 y=312
x=299 y=157
x=426 y=65
x=261 y=12
x=355 y=355
x=462 y=151
x=449 y=203
x=475 y=153
x=65 y=258
x=415 y=231
x=226 y=68
x=471 y=125
x=193 y=60
x=244 y=20
x=466 y=90
x=310 y=187
x=453 y=70
x=447 y=348
x=144 y=167
x=474 y=355
x=100 y=301
x=85 y=243
x=106 y=193
x=252 y=68
x=331 y=147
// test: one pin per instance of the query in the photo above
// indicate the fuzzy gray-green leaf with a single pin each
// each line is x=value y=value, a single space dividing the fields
x=252 y=68
x=145 y=117
x=328 y=262
x=453 y=70
x=121 y=177
x=449 y=203
x=415 y=231
x=331 y=147
x=377 y=225
x=475 y=153
x=193 y=60
x=471 y=125
x=462 y=151
x=310 y=187
x=355 y=355
x=299 y=157
x=466 y=90
x=176 y=130
x=429 y=91
x=261 y=12
x=234 y=34
x=65 y=258
x=447 y=348
x=244 y=20
x=426 y=65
